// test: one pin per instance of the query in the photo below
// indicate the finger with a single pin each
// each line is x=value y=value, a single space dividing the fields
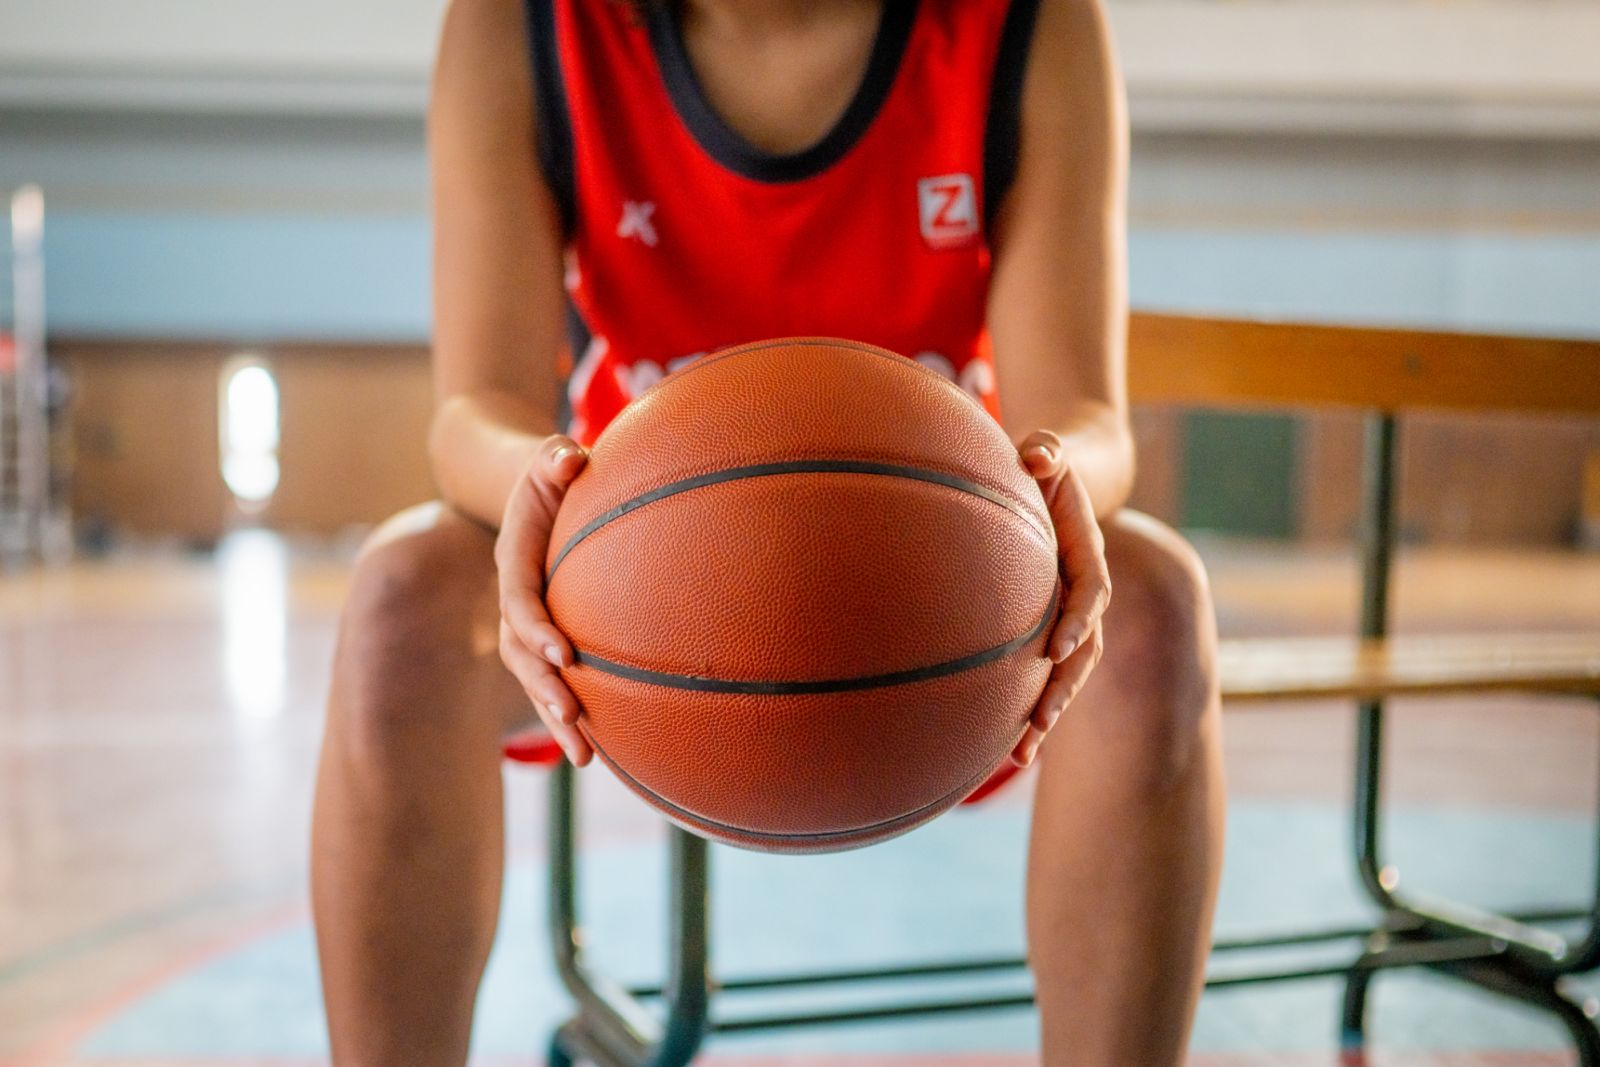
x=531 y=623
x=560 y=460
x=1027 y=748
x=1041 y=454
x=566 y=735
x=558 y=709
x=531 y=509
x=1067 y=681
x=1083 y=565
x=519 y=551
x=547 y=689
x=524 y=542
x=538 y=677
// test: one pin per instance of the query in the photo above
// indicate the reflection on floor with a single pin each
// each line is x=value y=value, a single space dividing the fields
x=159 y=716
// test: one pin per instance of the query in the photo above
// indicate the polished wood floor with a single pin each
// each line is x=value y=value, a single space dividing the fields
x=160 y=712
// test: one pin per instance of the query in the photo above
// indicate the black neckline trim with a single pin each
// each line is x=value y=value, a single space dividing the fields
x=1003 y=134
x=552 y=119
x=729 y=148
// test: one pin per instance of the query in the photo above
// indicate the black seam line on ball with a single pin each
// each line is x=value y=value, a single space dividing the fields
x=829 y=685
x=701 y=821
x=798 y=466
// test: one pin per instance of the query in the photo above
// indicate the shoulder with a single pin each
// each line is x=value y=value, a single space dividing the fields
x=484 y=44
x=482 y=92
x=1057 y=125
x=1072 y=70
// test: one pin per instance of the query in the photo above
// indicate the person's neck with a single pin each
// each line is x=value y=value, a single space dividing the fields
x=747 y=16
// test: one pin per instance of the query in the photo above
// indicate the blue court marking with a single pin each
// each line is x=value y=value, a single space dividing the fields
x=949 y=889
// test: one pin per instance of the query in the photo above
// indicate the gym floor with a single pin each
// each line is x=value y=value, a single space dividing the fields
x=158 y=741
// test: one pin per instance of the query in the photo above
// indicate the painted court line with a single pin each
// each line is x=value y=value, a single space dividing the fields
x=1398 y=1058
x=56 y=1050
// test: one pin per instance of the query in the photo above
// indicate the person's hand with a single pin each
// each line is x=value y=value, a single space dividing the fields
x=530 y=644
x=1075 y=644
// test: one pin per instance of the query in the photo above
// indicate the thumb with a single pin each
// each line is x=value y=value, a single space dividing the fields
x=1041 y=454
x=560 y=460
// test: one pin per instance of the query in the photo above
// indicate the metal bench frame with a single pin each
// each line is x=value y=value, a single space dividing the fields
x=1509 y=955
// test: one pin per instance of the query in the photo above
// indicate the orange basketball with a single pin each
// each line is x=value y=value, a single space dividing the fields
x=809 y=584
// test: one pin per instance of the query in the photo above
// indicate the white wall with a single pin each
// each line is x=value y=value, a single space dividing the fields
x=351 y=35
x=1458 y=66
x=221 y=169
x=1490 y=67
x=276 y=55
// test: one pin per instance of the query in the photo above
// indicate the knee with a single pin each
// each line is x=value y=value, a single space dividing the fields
x=421 y=570
x=1160 y=636
x=421 y=583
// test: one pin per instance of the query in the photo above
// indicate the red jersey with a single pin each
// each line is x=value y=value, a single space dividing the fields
x=682 y=237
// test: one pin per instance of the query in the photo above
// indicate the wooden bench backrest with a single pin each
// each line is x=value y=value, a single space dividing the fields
x=1210 y=362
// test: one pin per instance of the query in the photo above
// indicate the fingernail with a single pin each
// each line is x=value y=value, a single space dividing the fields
x=562 y=453
x=1050 y=718
x=1028 y=754
x=553 y=654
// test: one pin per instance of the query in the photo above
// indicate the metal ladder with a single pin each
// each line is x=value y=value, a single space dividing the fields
x=24 y=389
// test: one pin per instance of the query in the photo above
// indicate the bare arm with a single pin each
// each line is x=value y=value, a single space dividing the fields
x=499 y=319
x=1058 y=304
x=498 y=305
x=1058 y=317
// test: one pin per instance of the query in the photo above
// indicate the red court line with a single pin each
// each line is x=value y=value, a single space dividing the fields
x=1484 y=1058
x=1378 y=1058
x=55 y=1050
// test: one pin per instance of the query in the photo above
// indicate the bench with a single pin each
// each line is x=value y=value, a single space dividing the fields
x=1213 y=362
x=1324 y=668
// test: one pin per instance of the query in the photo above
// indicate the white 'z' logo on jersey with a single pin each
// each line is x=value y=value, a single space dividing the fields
x=948 y=208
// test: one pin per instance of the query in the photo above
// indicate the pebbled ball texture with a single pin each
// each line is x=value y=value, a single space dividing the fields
x=811 y=659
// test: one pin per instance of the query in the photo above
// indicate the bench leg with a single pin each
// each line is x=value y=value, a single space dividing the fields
x=1536 y=991
x=1535 y=961
x=1531 y=969
x=1377 y=550
x=558 y=1056
x=1353 y=1020
x=612 y=1028
x=1584 y=954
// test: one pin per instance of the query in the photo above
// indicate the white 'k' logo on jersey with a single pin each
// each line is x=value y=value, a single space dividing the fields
x=636 y=222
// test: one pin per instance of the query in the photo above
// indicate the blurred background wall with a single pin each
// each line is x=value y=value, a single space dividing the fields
x=239 y=185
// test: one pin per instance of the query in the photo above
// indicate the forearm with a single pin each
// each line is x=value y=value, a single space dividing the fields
x=1098 y=445
x=480 y=444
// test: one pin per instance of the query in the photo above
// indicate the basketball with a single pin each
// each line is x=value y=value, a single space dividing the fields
x=809 y=585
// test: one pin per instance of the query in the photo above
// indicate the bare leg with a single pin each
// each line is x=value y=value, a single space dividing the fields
x=1126 y=844
x=407 y=835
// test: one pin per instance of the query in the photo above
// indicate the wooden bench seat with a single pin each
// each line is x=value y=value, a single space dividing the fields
x=1264 y=669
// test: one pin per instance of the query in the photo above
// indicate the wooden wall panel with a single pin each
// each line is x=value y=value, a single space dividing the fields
x=355 y=419
x=354 y=435
x=1481 y=479
x=145 y=439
